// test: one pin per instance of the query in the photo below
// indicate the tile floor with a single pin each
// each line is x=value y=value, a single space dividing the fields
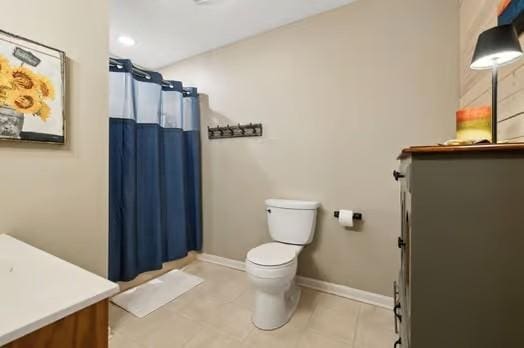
x=217 y=314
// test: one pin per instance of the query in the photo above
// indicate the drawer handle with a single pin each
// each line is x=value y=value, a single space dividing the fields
x=395 y=301
x=397 y=315
x=401 y=243
x=397 y=175
x=398 y=343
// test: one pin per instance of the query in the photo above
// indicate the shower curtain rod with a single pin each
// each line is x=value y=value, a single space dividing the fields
x=141 y=72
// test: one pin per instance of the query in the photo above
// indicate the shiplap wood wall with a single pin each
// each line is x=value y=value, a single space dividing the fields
x=475 y=86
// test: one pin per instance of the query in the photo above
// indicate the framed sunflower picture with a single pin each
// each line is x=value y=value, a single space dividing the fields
x=31 y=91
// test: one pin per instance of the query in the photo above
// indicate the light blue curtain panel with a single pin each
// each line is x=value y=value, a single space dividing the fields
x=154 y=172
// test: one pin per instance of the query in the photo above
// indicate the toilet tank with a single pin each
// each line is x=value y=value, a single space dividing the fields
x=291 y=221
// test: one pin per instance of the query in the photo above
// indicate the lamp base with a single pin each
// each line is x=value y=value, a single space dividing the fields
x=494 y=120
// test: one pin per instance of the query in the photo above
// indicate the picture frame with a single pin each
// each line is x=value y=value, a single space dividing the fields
x=32 y=91
x=512 y=12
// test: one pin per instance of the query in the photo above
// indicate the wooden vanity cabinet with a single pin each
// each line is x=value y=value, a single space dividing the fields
x=87 y=328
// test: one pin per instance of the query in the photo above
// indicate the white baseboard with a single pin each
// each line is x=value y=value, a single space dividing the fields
x=347 y=292
x=320 y=285
x=219 y=260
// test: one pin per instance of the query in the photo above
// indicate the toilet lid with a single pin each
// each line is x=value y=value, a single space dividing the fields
x=273 y=254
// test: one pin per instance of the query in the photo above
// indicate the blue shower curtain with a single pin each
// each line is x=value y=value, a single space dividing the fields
x=154 y=171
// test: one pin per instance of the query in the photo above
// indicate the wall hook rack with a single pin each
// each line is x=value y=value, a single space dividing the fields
x=238 y=131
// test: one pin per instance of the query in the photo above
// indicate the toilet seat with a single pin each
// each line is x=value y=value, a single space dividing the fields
x=272 y=272
x=273 y=254
x=273 y=260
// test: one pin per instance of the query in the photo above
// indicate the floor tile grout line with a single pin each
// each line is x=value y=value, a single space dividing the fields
x=315 y=306
x=319 y=332
x=357 y=322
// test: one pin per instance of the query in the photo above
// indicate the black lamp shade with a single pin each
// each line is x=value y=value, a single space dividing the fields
x=495 y=47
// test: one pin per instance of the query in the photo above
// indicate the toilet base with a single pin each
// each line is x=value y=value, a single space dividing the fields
x=273 y=311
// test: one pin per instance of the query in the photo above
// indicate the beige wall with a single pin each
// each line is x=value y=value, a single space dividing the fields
x=339 y=95
x=475 y=86
x=55 y=197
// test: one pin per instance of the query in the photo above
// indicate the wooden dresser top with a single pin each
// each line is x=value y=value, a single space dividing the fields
x=438 y=149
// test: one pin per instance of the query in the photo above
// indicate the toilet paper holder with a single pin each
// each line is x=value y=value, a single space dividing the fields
x=356 y=216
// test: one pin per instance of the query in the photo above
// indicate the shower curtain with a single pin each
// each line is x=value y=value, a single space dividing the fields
x=154 y=171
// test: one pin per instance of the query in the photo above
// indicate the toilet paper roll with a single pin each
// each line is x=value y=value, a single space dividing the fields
x=345 y=218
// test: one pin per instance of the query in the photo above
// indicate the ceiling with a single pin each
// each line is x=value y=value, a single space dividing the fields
x=167 y=31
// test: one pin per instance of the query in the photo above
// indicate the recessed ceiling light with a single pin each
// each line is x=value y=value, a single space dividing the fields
x=204 y=2
x=126 y=40
x=210 y=2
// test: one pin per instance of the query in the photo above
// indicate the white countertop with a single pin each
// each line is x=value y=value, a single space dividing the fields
x=37 y=289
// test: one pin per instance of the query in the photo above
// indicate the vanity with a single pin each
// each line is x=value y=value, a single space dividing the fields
x=461 y=282
x=48 y=302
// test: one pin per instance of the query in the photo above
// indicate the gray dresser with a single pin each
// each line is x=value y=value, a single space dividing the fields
x=461 y=282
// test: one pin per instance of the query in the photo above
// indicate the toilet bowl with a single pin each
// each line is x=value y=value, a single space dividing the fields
x=276 y=295
x=272 y=267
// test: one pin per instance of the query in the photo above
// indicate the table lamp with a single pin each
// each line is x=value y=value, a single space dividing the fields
x=496 y=47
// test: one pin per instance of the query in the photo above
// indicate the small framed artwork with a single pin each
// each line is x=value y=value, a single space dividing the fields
x=32 y=88
x=512 y=12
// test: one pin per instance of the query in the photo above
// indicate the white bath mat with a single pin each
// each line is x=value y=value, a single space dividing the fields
x=146 y=298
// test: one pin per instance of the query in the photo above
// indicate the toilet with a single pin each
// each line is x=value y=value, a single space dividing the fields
x=271 y=267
